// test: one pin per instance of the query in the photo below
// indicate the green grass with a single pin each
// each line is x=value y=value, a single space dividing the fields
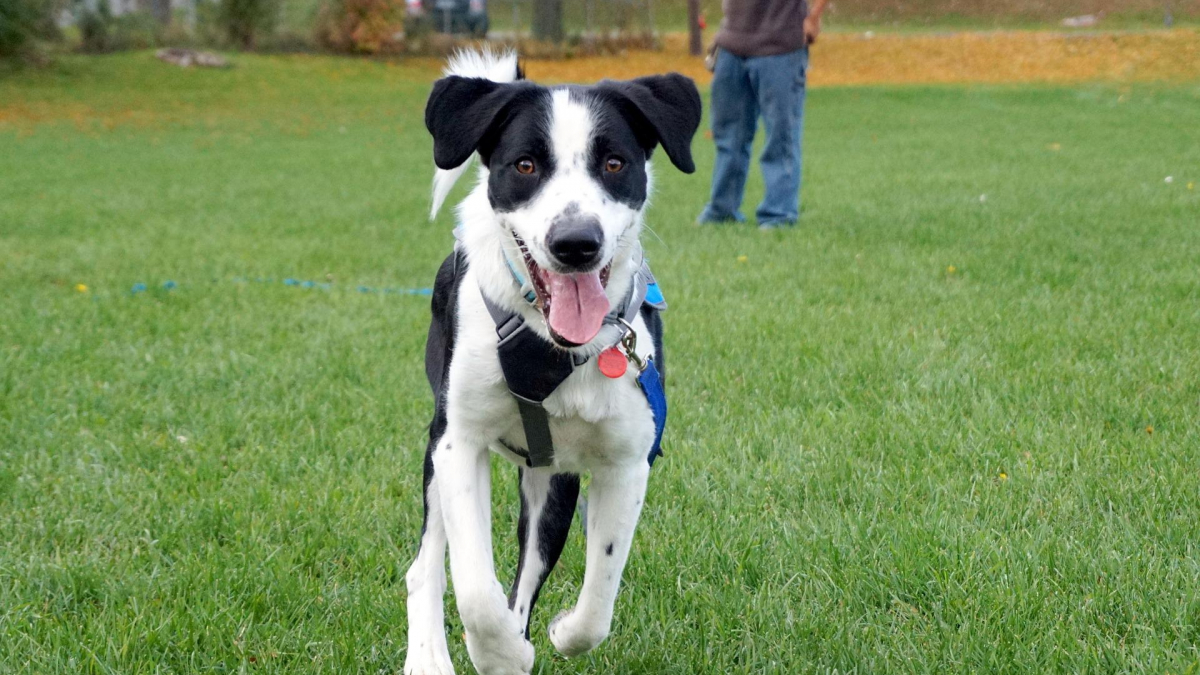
x=874 y=464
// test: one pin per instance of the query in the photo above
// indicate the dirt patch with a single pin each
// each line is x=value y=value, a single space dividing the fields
x=992 y=57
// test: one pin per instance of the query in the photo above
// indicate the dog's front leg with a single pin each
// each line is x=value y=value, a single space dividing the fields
x=495 y=638
x=614 y=504
x=428 y=653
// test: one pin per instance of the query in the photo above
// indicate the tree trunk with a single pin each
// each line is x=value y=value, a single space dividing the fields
x=548 y=20
x=694 y=46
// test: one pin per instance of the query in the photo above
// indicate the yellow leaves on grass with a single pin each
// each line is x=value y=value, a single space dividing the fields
x=1001 y=56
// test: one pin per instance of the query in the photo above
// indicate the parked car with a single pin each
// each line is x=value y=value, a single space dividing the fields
x=457 y=17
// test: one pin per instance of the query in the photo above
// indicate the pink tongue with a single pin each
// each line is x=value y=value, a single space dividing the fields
x=578 y=305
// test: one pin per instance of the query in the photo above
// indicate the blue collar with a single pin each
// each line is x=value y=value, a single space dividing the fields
x=526 y=288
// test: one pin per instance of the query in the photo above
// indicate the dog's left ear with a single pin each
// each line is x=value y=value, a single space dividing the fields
x=671 y=106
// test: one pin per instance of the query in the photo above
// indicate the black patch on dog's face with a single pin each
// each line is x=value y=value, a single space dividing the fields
x=520 y=135
x=523 y=134
x=614 y=138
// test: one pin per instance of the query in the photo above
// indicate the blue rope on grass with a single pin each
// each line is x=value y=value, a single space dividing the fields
x=170 y=285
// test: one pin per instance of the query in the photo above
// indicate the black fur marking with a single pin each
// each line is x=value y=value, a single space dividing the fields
x=553 y=527
x=465 y=114
x=608 y=549
x=439 y=348
x=519 y=133
x=522 y=540
x=662 y=110
x=654 y=324
x=614 y=137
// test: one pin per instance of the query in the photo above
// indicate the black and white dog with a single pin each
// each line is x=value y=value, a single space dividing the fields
x=544 y=302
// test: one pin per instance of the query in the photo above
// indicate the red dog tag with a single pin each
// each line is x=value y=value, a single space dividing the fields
x=612 y=362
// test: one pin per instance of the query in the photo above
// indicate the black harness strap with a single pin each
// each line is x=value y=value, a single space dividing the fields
x=534 y=367
x=537 y=433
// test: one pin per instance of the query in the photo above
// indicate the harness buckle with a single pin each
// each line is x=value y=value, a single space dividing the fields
x=629 y=342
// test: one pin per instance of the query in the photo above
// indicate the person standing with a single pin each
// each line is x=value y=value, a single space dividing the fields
x=761 y=64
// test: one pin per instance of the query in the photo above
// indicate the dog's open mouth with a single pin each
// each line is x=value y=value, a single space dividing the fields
x=574 y=305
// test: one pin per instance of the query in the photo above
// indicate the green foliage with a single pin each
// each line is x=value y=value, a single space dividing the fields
x=94 y=28
x=23 y=23
x=100 y=31
x=875 y=463
x=247 y=21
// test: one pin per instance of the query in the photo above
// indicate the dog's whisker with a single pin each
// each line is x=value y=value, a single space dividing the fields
x=649 y=229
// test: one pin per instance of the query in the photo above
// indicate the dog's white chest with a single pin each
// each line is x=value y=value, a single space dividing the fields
x=597 y=420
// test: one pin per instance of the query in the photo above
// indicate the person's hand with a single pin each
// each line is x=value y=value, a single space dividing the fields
x=812 y=28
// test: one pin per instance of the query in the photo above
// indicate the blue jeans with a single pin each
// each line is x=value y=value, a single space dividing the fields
x=743 y=89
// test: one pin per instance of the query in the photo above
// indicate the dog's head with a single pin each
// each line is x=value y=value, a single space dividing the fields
x=567 y=174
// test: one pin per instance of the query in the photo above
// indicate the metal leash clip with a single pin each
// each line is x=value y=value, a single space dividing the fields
x=629 y=342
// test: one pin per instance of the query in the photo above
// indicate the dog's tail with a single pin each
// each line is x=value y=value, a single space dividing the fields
x=497 y=66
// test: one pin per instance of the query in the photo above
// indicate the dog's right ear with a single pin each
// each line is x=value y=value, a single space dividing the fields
x=461 y=111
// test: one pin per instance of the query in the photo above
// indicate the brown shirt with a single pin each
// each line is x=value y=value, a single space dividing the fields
x=762 y=27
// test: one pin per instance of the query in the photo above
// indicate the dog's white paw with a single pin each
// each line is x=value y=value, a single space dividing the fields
x=500 y=653
x=498 y=646
x=428 y=658
x=573 y=636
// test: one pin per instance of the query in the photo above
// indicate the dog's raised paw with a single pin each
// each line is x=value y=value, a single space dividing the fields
x=573 y=637
x=500 y=652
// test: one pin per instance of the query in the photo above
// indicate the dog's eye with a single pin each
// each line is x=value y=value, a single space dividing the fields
x=525 y=166
x=614 y=164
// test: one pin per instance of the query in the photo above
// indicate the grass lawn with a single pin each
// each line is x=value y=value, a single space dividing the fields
x=949 y=424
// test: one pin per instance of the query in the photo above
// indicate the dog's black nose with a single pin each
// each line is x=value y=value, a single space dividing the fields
x=576 y=242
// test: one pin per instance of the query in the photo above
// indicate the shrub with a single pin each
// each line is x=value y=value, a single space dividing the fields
x=94 y=27
x=246 y=21
x=363 y=26
x=100 y=31
x=23 y=23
